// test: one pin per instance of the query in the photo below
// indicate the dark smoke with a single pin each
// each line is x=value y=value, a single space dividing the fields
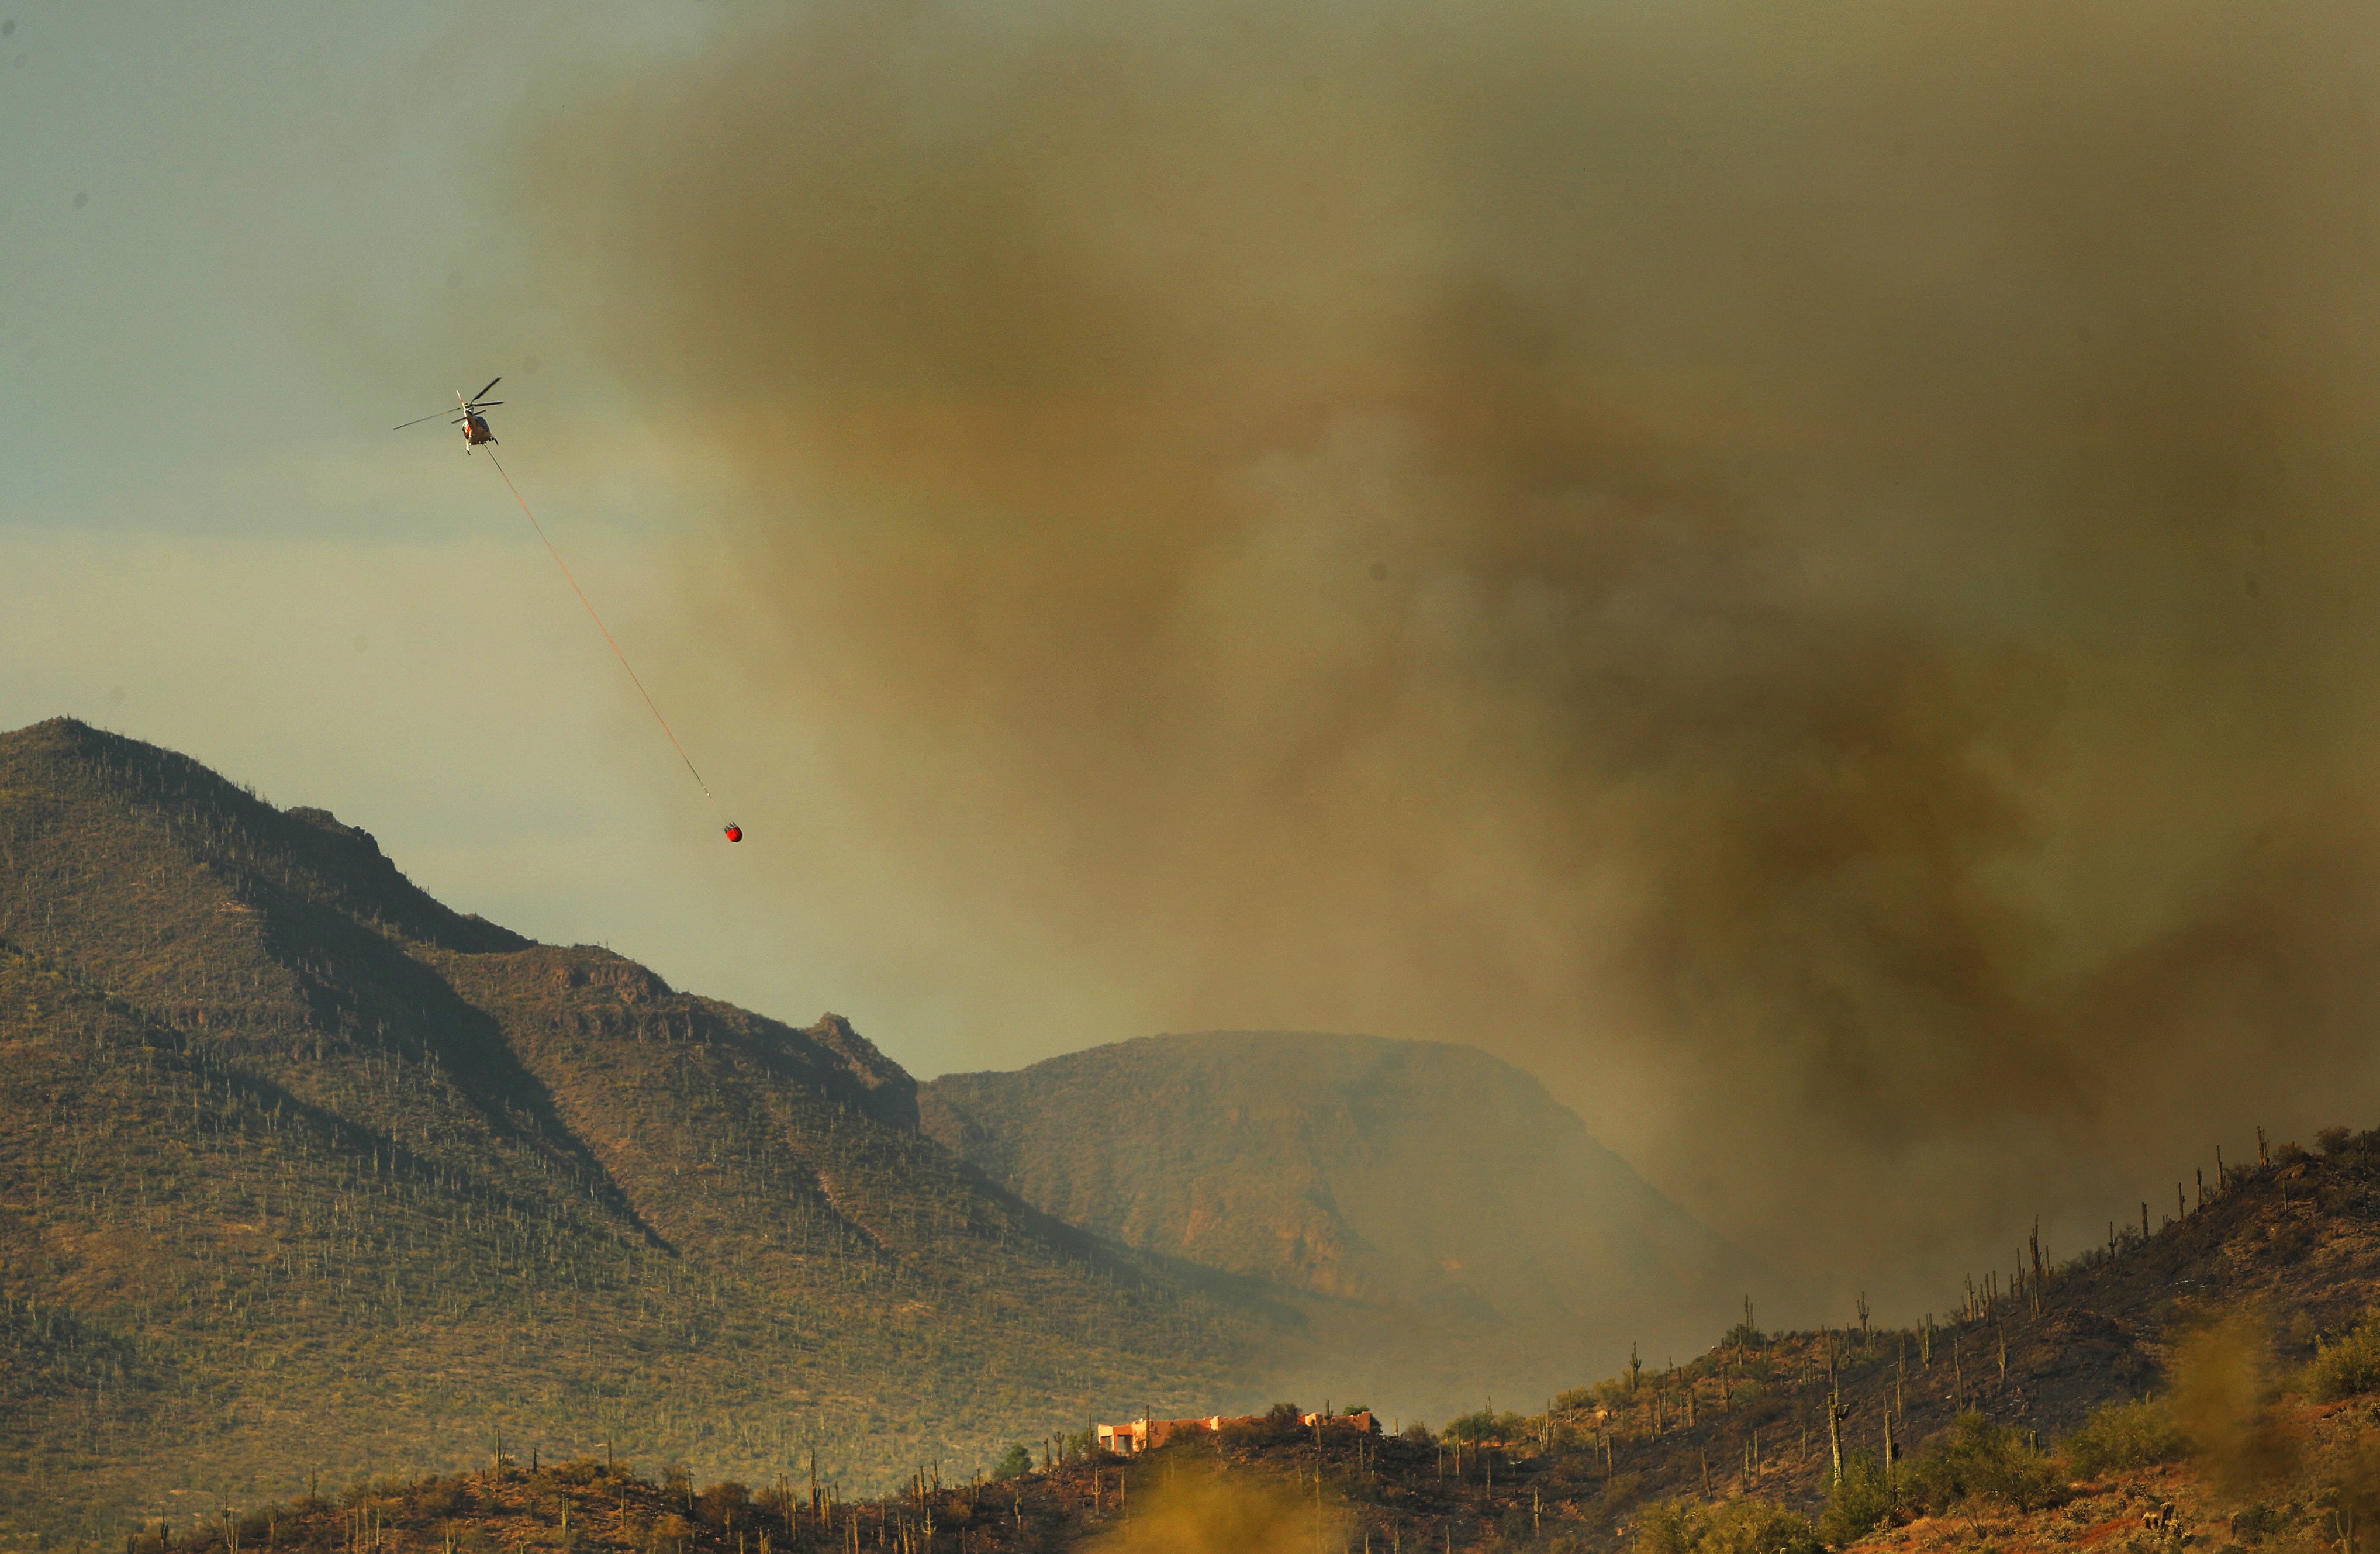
x=1802 y=572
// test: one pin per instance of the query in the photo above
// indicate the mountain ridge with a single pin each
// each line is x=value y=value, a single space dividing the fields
x=1425 y=1181
x=318 y=1174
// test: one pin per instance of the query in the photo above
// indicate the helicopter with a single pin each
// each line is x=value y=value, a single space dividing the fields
x=474 y=424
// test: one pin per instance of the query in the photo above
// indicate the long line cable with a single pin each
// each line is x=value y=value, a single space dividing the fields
x=653 y=706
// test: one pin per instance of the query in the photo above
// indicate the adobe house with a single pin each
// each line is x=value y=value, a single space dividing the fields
x=1139 y=1435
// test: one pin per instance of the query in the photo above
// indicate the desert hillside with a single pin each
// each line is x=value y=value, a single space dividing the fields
x=2212 y=1385
x=302 y=1172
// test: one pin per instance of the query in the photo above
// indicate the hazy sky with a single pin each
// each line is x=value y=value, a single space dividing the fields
x=1804 y=575
x=222 y=230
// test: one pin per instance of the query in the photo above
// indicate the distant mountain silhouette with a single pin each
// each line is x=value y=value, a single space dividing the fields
x=301 y=1170
x=1441 y=1190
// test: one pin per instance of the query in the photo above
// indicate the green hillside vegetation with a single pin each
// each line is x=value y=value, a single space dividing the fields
x=303 y=1173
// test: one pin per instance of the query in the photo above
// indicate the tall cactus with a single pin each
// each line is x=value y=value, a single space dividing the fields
x=1835 y=1414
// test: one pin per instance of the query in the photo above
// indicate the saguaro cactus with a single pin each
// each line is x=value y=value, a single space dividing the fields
x=1835 y=1414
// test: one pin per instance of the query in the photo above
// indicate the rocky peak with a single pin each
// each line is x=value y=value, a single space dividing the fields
x=887 y=1089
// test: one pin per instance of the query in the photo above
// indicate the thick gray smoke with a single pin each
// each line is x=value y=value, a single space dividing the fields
x=1803 y=573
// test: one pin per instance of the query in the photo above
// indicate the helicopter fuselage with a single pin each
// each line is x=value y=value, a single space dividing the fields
x=475 y=431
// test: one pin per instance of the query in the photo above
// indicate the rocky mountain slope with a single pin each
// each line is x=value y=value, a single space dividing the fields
x=1461 y=1222
x=2243 y=1323
x=302 y=1172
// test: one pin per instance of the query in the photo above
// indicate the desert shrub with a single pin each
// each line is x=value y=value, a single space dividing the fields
x=2334 y=1141
x=2125 y=1435
x=258 y=1526
x=1577 y=1469
x=1418 y=1433
x=2348 y=1363
x=1743 y=1335
x=1856 y=1506
x=724 y=1504
x=1484 y=1426
x=1185 y=1442
x=1278 y=1424
x=2288 y=1153
x=1577 y=1397
x=1750 y=1525
x=2256 y=1524
x=1014 y=1463
x=1670 y=1527
x=1975 y=1460
x=442 y=1496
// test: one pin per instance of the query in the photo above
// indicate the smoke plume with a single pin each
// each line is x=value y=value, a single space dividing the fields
x=2222 y=1379
x=1803 y=574
x=1199 y=1511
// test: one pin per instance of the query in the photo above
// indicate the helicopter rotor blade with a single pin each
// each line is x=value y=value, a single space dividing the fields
x=491 y=383
x=483 y=404
x=418 y=420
